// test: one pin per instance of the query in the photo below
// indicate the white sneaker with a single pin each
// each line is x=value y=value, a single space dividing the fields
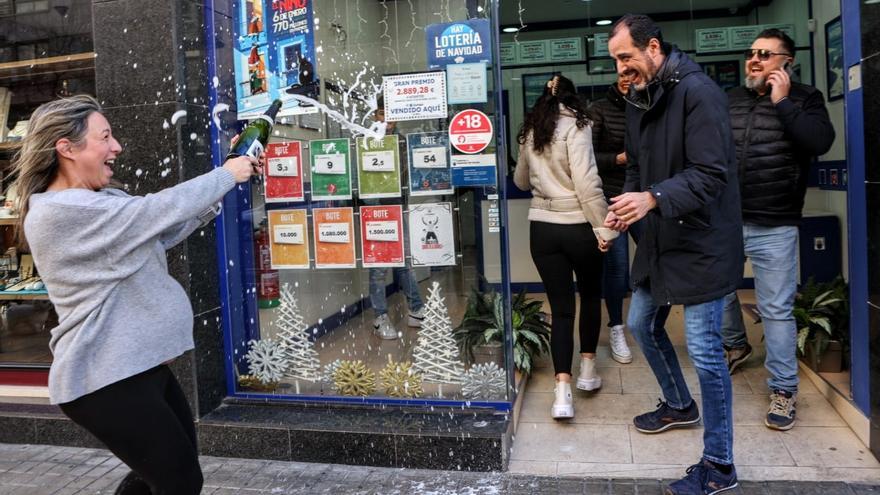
x=562 y=406
x=415 y=319
x=588 y=379
x=619 y=350
x=383 y=329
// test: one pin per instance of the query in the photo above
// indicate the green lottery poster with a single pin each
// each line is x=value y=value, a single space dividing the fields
x=378 y=167
x=331 y=169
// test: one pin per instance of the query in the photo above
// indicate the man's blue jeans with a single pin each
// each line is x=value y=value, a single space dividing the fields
x=615 y=277
x=406 y=280
x=702 y=327
x=773 y=252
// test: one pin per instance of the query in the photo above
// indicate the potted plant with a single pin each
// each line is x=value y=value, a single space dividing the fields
x=821 y=311
x=480 y=335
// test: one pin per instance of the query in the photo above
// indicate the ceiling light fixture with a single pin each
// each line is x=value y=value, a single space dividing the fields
x=510 y=29
x=603 y=22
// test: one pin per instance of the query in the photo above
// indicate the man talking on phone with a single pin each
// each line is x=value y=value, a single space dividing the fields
x=778 y=126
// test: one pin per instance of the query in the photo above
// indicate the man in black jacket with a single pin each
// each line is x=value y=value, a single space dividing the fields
x=681 y=183
x=608 y=115
x=778 y=126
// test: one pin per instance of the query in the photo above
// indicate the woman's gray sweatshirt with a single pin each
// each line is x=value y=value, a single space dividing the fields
x=101 y=255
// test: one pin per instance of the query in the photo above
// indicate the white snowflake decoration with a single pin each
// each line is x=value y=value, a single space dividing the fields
x=329 y=373
x=484 y=381
x=436 y=355
x=266 y=361
x=298 y=350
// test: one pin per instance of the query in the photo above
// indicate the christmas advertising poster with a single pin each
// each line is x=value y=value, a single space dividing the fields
x=333 y=231
x=429 y=171
x=284 y=178
x=288 y=239
x=378 y=167
x=331 y=169
x=431 y=234
x=382 y=236
x=274 y=56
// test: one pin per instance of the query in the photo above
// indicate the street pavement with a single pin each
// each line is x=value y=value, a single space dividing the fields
x=51 y=470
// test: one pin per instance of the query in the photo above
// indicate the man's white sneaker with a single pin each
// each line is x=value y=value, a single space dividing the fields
x=588 y=379
x=619 y=350
x=415 y=319
x=562 y=406
x=383 y=329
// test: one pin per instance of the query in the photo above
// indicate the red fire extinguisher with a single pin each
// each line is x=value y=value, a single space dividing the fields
x=268 y=285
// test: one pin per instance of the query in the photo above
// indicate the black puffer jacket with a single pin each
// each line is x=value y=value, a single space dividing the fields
x=774 y=148
x=680 y=148
x=609 y=128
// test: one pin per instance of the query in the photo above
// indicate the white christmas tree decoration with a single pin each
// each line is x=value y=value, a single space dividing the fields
x=298 y=350
x=436 y=354
x=484 y=381
x=266 y=362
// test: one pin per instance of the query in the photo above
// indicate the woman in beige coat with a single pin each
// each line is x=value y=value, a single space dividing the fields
x=557 y=164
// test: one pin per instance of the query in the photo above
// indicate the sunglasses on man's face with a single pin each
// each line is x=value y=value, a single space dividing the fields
x=763 y=55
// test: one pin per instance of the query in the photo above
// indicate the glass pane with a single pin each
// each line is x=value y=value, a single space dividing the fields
x=371 y=231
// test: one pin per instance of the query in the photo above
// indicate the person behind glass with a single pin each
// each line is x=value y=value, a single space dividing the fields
x=681 y=183
x=568 y=207
x=608 y=116
x=121 y=317
x=403 y=276
x=779 y=127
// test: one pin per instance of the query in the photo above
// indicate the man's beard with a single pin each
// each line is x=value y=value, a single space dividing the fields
x=650 y=73
x=756 y=83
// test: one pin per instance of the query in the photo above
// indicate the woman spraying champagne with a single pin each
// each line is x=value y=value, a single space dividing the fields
x=121 y=316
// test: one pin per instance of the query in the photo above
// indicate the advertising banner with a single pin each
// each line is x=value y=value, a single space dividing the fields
x=333 y=231
x=466 y=83
x=382 y=236
x=288 y=239
x=274 y=55
x=284 y=178
x=431 y=234
x=331 y=169
x=378 y=167
x=458 y=42
x=415 y=96
x=429 y=166
x=473 y=170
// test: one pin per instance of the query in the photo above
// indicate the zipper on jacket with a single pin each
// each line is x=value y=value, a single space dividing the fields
x=741 y=173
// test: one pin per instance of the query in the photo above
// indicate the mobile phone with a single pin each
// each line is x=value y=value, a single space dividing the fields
x=787 y=67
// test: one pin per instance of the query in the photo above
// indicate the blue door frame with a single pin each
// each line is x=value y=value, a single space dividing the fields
x=856 y=210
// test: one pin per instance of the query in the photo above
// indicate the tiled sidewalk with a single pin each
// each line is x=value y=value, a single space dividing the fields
x=601 y=442
x=50 y=470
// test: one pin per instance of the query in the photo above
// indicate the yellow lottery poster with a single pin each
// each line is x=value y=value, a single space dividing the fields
x=289 y=239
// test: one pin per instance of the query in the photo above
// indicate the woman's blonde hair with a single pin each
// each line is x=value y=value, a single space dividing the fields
x=36 y=163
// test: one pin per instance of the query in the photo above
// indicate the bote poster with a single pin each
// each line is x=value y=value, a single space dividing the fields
x=331 y=169
x=382 y=236
x=274 y=55
x=333 y=231
x=289 y=239
x=431 y=235
x=284 y=178
x=429 y=168
x=378 y=167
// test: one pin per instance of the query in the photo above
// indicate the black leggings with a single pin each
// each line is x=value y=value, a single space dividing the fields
x=146 y=421
x=558 y=250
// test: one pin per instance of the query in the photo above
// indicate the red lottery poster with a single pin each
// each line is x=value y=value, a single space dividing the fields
x=284 y=178
x=382 y=236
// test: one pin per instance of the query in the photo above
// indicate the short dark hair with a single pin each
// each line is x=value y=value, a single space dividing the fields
x=641 y=27
x=787 y=42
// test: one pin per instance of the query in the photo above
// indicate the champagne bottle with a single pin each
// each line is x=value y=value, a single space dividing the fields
x=253 y=139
